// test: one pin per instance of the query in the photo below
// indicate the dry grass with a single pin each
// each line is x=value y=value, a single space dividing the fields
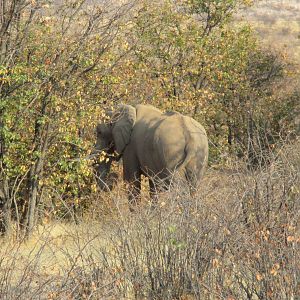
x=238 y=239
x=278 y=24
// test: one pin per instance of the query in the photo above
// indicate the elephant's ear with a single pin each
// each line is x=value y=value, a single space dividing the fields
x=123 y=122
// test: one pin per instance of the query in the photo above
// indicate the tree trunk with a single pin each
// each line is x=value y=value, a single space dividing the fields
x=251 y=154
x=34 y=177
x=5 y=209
x=41 y=139
x=32 y=200
x=5 y=199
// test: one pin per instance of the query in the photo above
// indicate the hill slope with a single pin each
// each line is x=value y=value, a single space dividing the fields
x=277 y=23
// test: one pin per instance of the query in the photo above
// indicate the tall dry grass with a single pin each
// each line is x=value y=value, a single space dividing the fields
x=237 y=239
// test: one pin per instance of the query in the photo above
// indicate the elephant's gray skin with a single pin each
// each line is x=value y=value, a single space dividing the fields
x=154 y=144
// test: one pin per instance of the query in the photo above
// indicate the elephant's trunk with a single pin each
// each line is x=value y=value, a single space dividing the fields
x=102 y=170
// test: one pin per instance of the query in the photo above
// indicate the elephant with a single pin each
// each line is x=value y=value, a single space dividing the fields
x=153 y=144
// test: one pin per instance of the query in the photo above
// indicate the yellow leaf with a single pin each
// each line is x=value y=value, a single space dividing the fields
x=259 y=277
x=290 y=238
x=215 y=262
x=275 y=269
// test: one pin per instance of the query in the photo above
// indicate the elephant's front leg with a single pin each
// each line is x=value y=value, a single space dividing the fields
x=132 y=175
x=134 y=192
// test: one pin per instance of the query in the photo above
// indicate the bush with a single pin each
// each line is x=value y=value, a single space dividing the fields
x=64 y=63
x=238 y=239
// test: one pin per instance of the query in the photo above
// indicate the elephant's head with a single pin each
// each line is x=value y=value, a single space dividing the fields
x=112 y=138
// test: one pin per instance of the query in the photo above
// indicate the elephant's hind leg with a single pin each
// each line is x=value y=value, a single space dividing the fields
x=192 y=179
x=153 y=191
x=157 y=185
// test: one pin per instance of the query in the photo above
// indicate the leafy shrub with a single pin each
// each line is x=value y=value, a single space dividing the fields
x=64 y=63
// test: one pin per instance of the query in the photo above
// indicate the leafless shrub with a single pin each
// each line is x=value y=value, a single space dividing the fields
x=22 y=274
x=237 y=239
x=61 y=267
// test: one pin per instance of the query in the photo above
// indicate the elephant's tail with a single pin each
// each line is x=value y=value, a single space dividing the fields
x=190 y=154
x=195 y=160
x=195 y=150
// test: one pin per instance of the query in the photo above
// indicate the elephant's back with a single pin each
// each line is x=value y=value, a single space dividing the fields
x=194 y=127
x=176 y=127
x=167 y=142
x=181 y=141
